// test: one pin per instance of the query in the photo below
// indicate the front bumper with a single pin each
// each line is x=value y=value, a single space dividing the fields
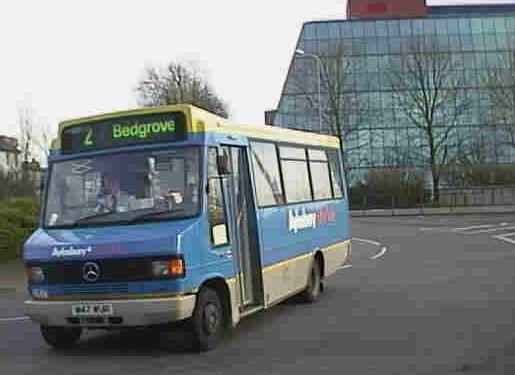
x=126 y=313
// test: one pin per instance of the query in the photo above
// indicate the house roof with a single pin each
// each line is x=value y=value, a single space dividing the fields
x=9 y=144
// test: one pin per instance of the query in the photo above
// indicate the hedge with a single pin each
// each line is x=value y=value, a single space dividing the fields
x=18 y=219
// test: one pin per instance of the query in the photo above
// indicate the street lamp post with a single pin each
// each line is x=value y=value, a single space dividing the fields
x=300 y=52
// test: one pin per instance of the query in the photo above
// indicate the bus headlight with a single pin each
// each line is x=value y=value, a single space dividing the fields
x=36 y=275
x=168 y=268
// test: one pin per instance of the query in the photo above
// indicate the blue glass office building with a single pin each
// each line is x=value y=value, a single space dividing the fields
x=362 y=98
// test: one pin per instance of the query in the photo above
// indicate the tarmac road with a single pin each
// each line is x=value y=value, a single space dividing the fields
x=425 y=295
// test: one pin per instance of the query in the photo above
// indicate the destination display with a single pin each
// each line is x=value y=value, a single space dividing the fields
x=125 y=131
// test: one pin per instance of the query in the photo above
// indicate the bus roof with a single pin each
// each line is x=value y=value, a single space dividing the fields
x=203 y=121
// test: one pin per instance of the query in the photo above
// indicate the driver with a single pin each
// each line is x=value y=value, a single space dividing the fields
x=107 y=198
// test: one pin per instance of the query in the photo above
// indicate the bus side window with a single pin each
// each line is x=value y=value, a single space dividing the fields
x=216 y=208
x=336 y=176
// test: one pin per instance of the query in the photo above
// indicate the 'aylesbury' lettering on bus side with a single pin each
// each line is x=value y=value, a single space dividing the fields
x=300 y=219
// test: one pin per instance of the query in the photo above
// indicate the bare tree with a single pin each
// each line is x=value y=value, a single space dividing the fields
x=337 y=100
x=34 y=136
x=30 y=134
x=501 y=91
x=430 y=96
x=470 y=159
x=26 y=132
x=43 y=140
x=179 y=83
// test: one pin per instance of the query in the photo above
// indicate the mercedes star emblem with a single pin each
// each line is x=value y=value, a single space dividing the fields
x=91 y=272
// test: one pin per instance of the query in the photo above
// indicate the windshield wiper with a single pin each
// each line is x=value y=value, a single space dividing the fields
x=142 y=217
x=155 y=214
x=86 y=219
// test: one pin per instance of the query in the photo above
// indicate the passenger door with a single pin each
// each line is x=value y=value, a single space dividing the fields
x=244 y=229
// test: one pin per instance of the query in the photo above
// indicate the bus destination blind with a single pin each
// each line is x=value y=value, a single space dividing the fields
x=125 y=131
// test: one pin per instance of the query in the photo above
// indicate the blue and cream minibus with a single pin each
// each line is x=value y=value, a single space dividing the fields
x=172 y=214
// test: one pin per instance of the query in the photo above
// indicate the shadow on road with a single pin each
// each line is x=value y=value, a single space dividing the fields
x=167 y=339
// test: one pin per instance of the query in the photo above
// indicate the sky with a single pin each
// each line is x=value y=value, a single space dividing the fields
x=67 y=59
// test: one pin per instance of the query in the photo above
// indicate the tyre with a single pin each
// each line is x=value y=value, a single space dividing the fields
x=208 y=320
x=61 y=337
x=314 y=287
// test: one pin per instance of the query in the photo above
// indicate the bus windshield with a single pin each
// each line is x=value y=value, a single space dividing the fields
x=128 y=187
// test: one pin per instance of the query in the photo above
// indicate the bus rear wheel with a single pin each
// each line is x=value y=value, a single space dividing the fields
x=61 y=337
x=314 y=287
x=208 y=320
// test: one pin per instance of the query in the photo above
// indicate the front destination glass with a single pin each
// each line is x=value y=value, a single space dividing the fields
x=124 y=131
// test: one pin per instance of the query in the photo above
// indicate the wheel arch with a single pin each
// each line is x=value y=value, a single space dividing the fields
x=219 y=284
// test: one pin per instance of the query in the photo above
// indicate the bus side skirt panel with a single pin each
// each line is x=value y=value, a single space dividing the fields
x=280 y=279
x=336 y=256
x=289 y=277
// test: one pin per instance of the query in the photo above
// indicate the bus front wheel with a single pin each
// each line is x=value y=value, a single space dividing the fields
x=208 y=320
x=314 y=287
x=61 y=337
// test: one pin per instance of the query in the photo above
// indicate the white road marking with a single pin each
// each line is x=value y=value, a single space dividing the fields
x=504 y=237
x=370 y=242
x=481 y=229
x=474 y=227
x=347 y=266
x=380 y=254
x=488 y=230
x=439 y=230
x=507 y=234
x=15 y=319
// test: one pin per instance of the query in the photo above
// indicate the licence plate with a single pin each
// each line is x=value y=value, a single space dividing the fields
x=92 y=309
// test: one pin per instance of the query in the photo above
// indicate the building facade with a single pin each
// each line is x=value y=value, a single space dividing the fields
x=364 y=79
x=10 y=160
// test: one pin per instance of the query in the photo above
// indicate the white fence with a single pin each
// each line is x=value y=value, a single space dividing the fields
x=478 y=196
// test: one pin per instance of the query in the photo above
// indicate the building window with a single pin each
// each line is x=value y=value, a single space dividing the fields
x=405 y=28
x=334 y=30
x=464 y=26
x=358 y=30
x=381 y=28
x=322 y=30
x=476 y=26
x=310 y=31
x=394 y=28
